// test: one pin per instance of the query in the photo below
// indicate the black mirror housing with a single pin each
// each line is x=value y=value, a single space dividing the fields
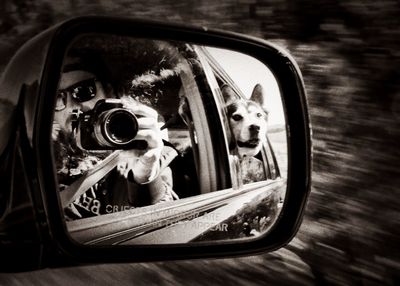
x=31 y=221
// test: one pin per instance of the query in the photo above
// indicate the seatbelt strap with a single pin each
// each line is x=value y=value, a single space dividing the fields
x=93 y=176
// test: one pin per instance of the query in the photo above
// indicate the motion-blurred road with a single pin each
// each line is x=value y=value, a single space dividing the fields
x=349 y=54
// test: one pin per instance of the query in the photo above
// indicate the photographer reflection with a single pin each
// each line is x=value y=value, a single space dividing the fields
x=90 y=124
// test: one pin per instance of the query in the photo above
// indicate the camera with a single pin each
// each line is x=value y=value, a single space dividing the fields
x=108 y=126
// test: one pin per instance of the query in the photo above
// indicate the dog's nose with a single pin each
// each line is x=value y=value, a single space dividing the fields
x=254 y=128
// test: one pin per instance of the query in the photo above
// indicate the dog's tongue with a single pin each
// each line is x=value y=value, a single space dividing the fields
x=252 y=143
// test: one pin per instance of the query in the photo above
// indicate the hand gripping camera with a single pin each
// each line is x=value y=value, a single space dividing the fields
x=108 y=126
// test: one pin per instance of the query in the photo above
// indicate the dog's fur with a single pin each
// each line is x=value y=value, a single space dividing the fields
x=248 y=122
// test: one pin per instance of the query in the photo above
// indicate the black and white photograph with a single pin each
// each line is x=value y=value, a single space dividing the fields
x=130 y=131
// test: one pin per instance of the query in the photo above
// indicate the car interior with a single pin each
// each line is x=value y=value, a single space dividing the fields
x=157 y=74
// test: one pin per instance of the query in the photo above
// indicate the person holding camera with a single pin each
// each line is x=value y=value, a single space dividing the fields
x=90 y=125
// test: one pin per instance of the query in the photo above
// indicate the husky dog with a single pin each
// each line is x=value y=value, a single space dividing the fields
x=248 y=122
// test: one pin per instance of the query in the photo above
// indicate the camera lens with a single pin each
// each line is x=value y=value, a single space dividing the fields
x=119 y=127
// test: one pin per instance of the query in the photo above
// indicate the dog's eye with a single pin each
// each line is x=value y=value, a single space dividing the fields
x=237 y=117
x=259 y=115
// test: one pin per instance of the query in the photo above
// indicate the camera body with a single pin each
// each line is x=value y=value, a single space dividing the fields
x=108 y=126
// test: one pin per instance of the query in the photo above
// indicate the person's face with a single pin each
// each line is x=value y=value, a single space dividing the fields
x=78 y=90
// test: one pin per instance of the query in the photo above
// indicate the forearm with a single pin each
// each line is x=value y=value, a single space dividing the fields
x=161 y=188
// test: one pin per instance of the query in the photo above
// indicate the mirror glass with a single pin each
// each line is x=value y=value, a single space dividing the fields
x=164 y=142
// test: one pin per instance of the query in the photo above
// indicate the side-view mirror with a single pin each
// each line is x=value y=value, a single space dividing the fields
x=127 y=140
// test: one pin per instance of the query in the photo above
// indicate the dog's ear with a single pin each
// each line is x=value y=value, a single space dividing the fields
x=229 y=94
x=258 y=95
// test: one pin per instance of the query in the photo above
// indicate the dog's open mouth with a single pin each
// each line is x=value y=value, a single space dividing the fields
x=252 y=143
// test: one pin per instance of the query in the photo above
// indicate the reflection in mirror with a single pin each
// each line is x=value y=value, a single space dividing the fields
x=159 y=142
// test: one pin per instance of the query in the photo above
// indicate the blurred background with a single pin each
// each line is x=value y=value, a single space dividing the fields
x=349 y=55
